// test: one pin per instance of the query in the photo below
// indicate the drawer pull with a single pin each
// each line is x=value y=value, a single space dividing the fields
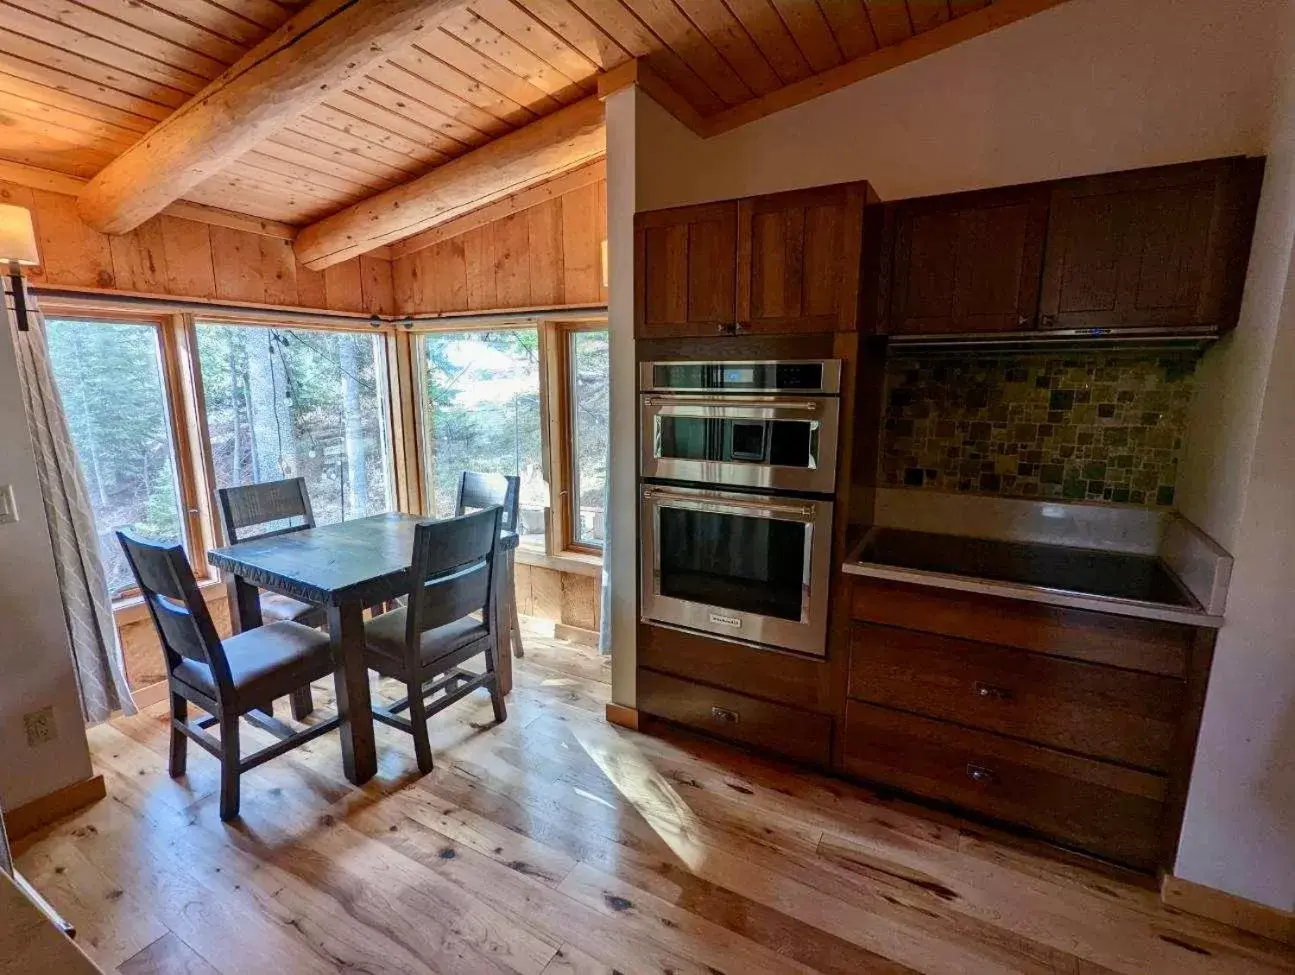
x=724 y=715
x=992 y=692
x=978 y=773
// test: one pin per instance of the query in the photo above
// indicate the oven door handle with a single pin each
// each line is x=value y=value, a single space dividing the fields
x=764 y=403
x=799 y=512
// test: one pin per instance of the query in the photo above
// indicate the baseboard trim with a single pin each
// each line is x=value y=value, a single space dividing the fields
x=27 y=819
x=619 y=714
x=1218 y=905
x=575 y=634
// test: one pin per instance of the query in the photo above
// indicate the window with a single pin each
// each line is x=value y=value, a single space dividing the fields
x=588 y=358
x=286 y=402
x=481 y=412
x=111 y=380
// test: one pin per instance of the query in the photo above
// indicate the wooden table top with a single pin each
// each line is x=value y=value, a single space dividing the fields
x=365 y=560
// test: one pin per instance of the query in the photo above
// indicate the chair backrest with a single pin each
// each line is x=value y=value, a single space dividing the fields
x=480 y=491
x=452 y=572
x=176 y=606
x=251 y=505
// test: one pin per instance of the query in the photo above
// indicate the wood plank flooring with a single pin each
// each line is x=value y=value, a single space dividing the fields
x=557 y=843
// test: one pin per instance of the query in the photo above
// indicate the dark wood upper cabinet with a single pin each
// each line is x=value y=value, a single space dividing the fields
x=799 y=260
x=1158 y=248
x=970 y=262
x=685 y=270
x=777 y=264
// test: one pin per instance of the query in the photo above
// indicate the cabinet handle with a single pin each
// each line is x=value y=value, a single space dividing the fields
x=721 y=328
x=1047 y=321
x=724 y=715
x=992 y=692
x=738 y=327
x=1022 y=320
x=978 y=773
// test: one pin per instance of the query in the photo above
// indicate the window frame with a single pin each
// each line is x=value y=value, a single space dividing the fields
x=562 y=423
x=184 y=446
x=556 y=428
x=198 y=400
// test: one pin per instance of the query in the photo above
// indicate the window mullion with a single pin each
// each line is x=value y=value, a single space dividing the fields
x=187 y=442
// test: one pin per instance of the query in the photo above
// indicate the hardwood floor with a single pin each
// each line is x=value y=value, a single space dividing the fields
x=557 y=843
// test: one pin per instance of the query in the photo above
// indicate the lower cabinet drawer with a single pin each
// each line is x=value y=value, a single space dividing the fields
x=1108 y=810
x=802 y=735
x=1108 y=713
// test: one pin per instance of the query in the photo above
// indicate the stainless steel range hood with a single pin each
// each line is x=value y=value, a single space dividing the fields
x=1140 y=337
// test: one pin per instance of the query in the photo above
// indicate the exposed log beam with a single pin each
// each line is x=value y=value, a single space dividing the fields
x=318 y=51
x=550 y=189
x=555 y=144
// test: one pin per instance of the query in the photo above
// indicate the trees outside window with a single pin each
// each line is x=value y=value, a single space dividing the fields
x=110 y=379
x=589 y=363
x=481 y=412
x=283 y=402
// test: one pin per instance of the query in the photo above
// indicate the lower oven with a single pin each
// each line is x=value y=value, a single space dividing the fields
x=753 y=568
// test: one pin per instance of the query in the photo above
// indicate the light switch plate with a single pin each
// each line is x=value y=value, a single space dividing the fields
x=8 y=506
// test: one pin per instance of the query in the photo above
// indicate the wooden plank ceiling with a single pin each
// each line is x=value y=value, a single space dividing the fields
x=82 y=80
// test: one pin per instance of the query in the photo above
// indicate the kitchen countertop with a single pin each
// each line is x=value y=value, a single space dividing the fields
x=1182 y=579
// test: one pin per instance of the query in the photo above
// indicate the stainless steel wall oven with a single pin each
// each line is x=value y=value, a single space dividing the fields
x=739 y=465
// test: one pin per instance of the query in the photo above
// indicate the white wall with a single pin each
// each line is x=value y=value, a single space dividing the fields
x=1096 y=86
x=35 y=658
x=1089 y=86
x=1239 y=833
x=621 y=551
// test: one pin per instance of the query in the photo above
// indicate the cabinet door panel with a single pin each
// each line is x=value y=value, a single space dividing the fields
x=798 y=265
x=685 y=270
x=967 y=263
x=1149 y=248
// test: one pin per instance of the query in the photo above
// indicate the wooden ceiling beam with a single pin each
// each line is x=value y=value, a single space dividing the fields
x=322 y=49
x=557 y=143
x=513 y=203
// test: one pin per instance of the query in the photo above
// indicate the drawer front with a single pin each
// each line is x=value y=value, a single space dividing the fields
x=1118 y=715
x=1120 y=641
x=788 y=731
x=789 y=679
x=1103 y=809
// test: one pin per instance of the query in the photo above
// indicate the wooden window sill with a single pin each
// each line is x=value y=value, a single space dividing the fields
x=579 y=563
x=132 y=608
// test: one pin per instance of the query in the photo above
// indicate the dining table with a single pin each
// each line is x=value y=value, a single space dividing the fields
x=348 y=568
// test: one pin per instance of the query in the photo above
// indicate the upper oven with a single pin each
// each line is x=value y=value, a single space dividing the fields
x=768 y=425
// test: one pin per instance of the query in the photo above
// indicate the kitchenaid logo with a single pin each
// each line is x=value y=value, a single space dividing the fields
x=726 y=620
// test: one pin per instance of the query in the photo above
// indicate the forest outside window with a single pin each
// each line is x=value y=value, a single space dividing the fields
x=296 y=402
x=587 y=357
x=481 y=412
x=113 y=385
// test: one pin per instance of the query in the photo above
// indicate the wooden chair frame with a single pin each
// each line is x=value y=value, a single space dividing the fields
x=481 y=491
x=185 y=630
x=445 y=554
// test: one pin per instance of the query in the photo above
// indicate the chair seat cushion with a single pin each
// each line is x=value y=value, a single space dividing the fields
x=385 y=638
x=267 y=662
x=276 y=607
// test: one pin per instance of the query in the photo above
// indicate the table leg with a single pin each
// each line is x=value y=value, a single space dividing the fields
x=244 y=612
x=503 y=621
x=351 y=680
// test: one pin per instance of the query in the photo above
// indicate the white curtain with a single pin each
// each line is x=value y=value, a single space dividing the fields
x=87 y=608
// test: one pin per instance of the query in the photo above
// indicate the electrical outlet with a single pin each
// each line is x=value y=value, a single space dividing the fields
x=40 y=726
x=8 y=506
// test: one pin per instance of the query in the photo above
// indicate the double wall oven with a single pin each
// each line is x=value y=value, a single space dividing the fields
x=738 y=464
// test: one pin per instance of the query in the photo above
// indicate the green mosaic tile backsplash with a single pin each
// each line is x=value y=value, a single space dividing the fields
x=1096 y=425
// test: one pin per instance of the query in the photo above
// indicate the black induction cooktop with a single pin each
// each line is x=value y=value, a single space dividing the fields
x=1088 y=572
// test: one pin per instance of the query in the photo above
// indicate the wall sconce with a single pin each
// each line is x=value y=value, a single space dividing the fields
x=18 y=250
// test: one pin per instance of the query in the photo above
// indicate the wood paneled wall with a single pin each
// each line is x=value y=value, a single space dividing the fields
x=547 y=255
x=183 y=258
x=569 y=598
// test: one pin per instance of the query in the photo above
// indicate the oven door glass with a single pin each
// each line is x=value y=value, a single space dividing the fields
x=763 y=442
x=744 y=567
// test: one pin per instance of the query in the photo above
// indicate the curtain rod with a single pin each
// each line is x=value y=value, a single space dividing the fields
x=197 y=305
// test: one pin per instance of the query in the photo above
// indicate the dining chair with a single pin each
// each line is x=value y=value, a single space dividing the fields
x=228 y=679
x=286 y=505
x=477 y=491
x=422 y=644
